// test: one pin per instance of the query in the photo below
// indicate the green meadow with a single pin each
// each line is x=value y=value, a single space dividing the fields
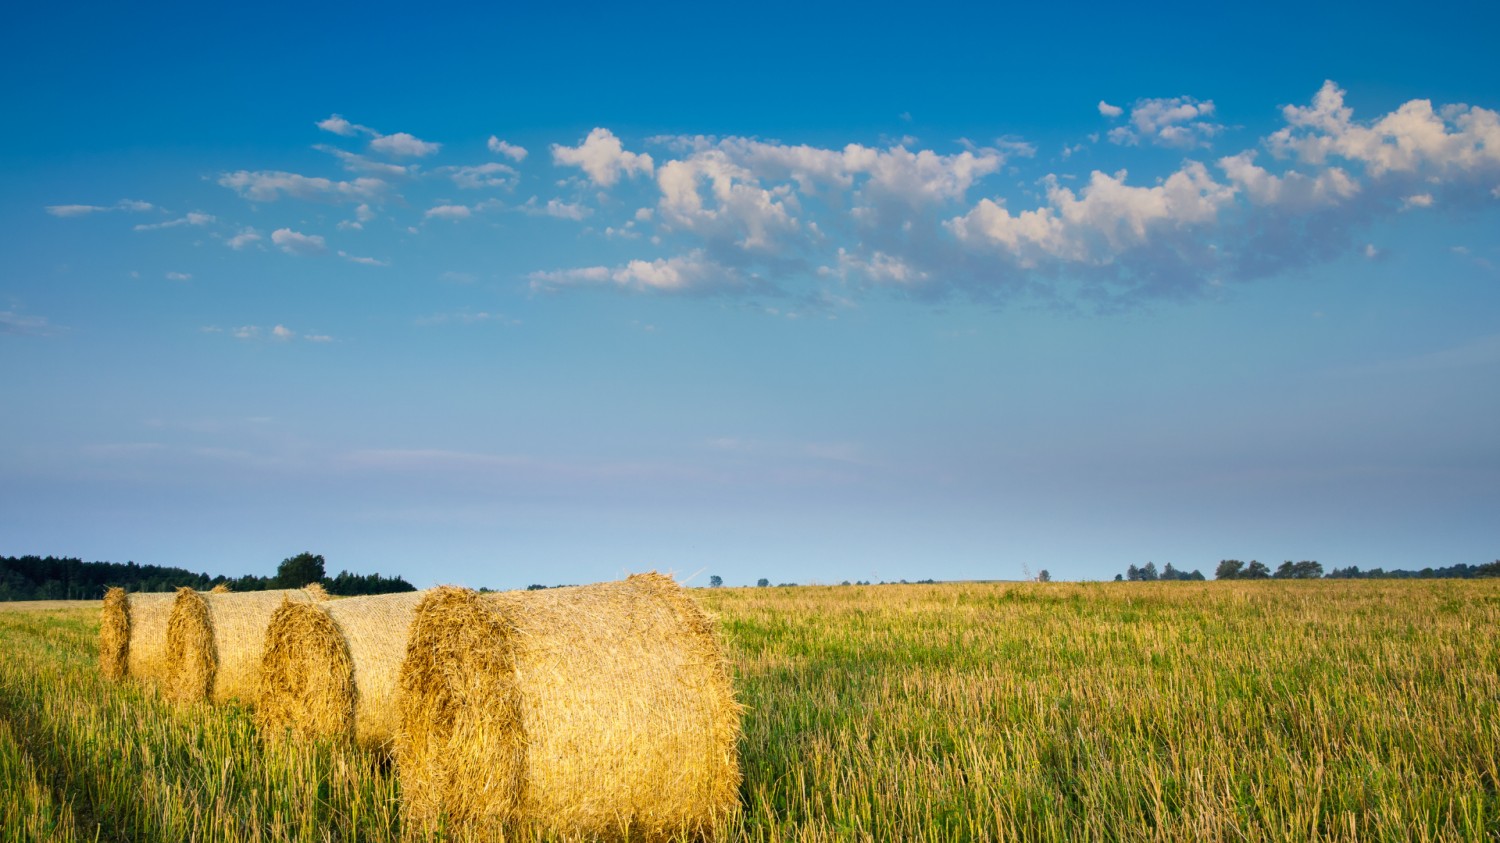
x=1321 y=710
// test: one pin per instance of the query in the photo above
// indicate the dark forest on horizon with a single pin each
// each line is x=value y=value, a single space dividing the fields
x=69 y=578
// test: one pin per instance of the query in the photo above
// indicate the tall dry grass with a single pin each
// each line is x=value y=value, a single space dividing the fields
x=1170 y=711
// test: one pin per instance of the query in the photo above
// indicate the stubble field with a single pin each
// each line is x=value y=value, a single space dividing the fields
x=1137 y=711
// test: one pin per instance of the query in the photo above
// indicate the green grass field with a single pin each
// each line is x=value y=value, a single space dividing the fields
x=1320 y=710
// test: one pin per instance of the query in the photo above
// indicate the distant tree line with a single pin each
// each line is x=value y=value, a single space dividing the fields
x=1234 y=569
x=68 y=578
x=1452 y=572
x=1148 y=573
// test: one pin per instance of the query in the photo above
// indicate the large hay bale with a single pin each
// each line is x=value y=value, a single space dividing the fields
x=214 y=642
x=133 y=634
x=330 y=669
x=601 y=711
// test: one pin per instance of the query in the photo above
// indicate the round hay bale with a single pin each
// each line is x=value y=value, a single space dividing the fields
x=221 y=588
x=214 y=642
x=330 y=669
x=602 y=711
x=133 y=634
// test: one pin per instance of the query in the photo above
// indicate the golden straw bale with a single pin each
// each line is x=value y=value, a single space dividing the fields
x=330 y=669
x=214 y=642
x=602 y=711
x=221 y=588
x=133 y=634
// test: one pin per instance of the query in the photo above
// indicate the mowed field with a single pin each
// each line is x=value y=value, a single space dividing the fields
x=1322 y=710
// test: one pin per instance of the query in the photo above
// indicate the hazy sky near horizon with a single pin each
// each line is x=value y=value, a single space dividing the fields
x=497 y=297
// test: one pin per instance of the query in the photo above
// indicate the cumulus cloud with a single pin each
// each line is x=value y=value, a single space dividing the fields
x=449 y=212
x=297 y=243
x=1104 y=218
x=270 y=185
x=492 y=174
x=603 y=158
x=878 y=268
x=246 y=237
x=556 y=208
x=1458 y=140
x=1329 y=187
x=339 y=126
x=404 y=145
x=1172 y=121
x=509 y=150
x=684 y=273
x=283 y=333
x=752 y=215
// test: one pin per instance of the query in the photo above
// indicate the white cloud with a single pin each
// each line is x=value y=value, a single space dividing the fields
x=1330 y=187
x=1105 y=218
x=243 y=239
x=363 y=213
x=245 y=332
x=878 y=268
x=296 y=243
x=339 y=126
x=448 y=212
x=270 y=185
x=403 y=144
x=281 y=332
x=742 y=213
x=556 y=208
x=677 y=274
x=197 y=218
x=493 y=174
x=179 y=276
x=603 y=158
x=509 y=150
x=75 y=210
x=1460 y=138
x=317 y=338
x=1419 y=200
x=1110 y=110
x=1171 y=121
x=363 y=261
x=83 y=210
x=356 y=163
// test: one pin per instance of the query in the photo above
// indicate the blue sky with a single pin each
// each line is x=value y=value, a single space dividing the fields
x=498 y=297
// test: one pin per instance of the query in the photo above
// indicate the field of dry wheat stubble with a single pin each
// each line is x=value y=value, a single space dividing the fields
x=1135 y=711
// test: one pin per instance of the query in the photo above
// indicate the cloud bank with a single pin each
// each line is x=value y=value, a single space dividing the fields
x=990 y=220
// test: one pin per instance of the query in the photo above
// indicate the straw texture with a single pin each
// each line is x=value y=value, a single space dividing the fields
x=330 y=669
x=133 y=634
x=602 y=711
x=214 y=642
